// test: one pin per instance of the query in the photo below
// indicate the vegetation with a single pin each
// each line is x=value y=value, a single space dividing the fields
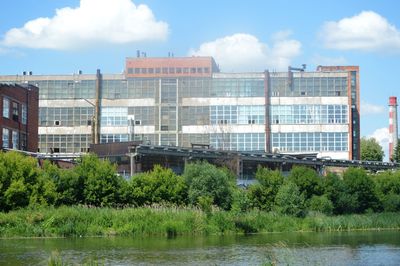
x=396 y=154
x=76 y=221
x=49 y=201
x=371 y=150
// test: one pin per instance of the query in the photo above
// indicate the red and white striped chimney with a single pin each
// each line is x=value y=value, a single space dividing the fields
x=393 y=129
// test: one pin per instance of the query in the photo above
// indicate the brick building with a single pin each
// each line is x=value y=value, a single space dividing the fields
x=19 y=118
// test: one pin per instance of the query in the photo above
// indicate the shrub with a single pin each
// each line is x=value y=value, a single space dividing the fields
x=206 y=180
x=321 y=204
x=391 y=203
x=159 y=185
x=361 y=186
x=101 y=183
x=307 y=180
x=262 y=194
x=289 y=200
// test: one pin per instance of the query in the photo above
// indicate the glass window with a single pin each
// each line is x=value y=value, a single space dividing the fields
x=23 y=142
x=6 y=107
x=6 y=137
x=15 y=111
x=24 y=114
x=15 y=140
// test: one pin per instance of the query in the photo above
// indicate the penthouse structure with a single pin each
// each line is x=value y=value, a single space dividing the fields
x=184 y=101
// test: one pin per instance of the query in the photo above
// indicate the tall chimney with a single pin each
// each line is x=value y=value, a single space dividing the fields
x=393 y=128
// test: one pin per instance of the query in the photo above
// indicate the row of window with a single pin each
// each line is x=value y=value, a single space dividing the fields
x=282 y=142
x=233 y=114
x=308 y=86
x=195 y=115
x=66 y=89
x=238 y=141
x=71 y=143
x=194 y=87
x=309 y=114
x=169 y=70
x=14 y=111
x=313 y=141
x=65 y=116
x=18 y=140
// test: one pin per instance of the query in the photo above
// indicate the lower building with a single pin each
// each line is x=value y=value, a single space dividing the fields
x=19 y=119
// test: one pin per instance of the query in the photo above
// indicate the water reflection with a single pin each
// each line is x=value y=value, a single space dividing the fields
x=346 y=248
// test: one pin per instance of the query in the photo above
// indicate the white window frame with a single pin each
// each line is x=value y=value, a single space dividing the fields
x=6 y=132
x=15 y=140
x=24 y=117
x=6 y=107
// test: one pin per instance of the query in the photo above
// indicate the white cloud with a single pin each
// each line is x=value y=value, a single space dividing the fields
x=367 y=31
x=328 y=61
x=93 y=22
x=382 y=137
x=371 y=109
x=244 y=52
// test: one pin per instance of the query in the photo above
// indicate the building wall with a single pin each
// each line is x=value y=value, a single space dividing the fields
x=299 y=113
x=22 y=120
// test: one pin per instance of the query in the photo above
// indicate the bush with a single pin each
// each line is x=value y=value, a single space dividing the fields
x=391 y=203
x=206 y=180
x=19 y=176
x=101 y=183
x=159 y=185
x=321 y=204
x=307 y=180
x=336 y=191
x=289 y=200
x=360 y=186
x=262 y=195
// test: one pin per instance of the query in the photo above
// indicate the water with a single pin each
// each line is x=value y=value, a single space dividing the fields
x=347 y=248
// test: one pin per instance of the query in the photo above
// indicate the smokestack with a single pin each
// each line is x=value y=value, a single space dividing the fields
x=393 y=128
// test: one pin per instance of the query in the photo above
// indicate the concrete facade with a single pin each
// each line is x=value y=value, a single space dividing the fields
x=184 y=101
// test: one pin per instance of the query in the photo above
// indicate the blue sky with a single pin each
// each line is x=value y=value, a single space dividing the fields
x=64 y=36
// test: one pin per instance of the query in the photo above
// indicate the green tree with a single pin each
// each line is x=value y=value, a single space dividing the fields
x=336 y=191
x=307 y=180
x=321 y=204
x=101 y=182
x=18 y=177
x=360 y=185
x=396 y=153
x=289 y=201
x=69 y=185
x=388 y=189
x=206 y=180
x=159 y=185
x=371 y=150
x=262 y=194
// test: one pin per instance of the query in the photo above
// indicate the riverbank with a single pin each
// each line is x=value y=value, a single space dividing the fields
x=80 y=221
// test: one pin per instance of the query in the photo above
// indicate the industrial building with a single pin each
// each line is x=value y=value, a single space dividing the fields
x=19 y=119
x=180 y=101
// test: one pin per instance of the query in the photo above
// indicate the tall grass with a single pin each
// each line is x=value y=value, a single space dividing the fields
x=175 y=221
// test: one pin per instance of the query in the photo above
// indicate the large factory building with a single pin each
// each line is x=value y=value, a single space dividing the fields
x=181 y=101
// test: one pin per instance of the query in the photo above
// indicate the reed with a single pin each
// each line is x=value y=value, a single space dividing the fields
x=172 y=221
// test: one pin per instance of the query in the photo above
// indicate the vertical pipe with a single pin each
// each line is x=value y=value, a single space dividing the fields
x=97 y=108
x=267 y=107
x=393 y=128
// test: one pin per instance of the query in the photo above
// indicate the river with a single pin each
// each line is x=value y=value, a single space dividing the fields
x=343 y=248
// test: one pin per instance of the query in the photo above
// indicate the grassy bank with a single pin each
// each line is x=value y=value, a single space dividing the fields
x=169 y=221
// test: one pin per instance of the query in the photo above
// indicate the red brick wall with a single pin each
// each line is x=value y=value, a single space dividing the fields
x=30 y=97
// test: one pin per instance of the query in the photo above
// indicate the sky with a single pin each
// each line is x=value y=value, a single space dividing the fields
x=64 y=36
